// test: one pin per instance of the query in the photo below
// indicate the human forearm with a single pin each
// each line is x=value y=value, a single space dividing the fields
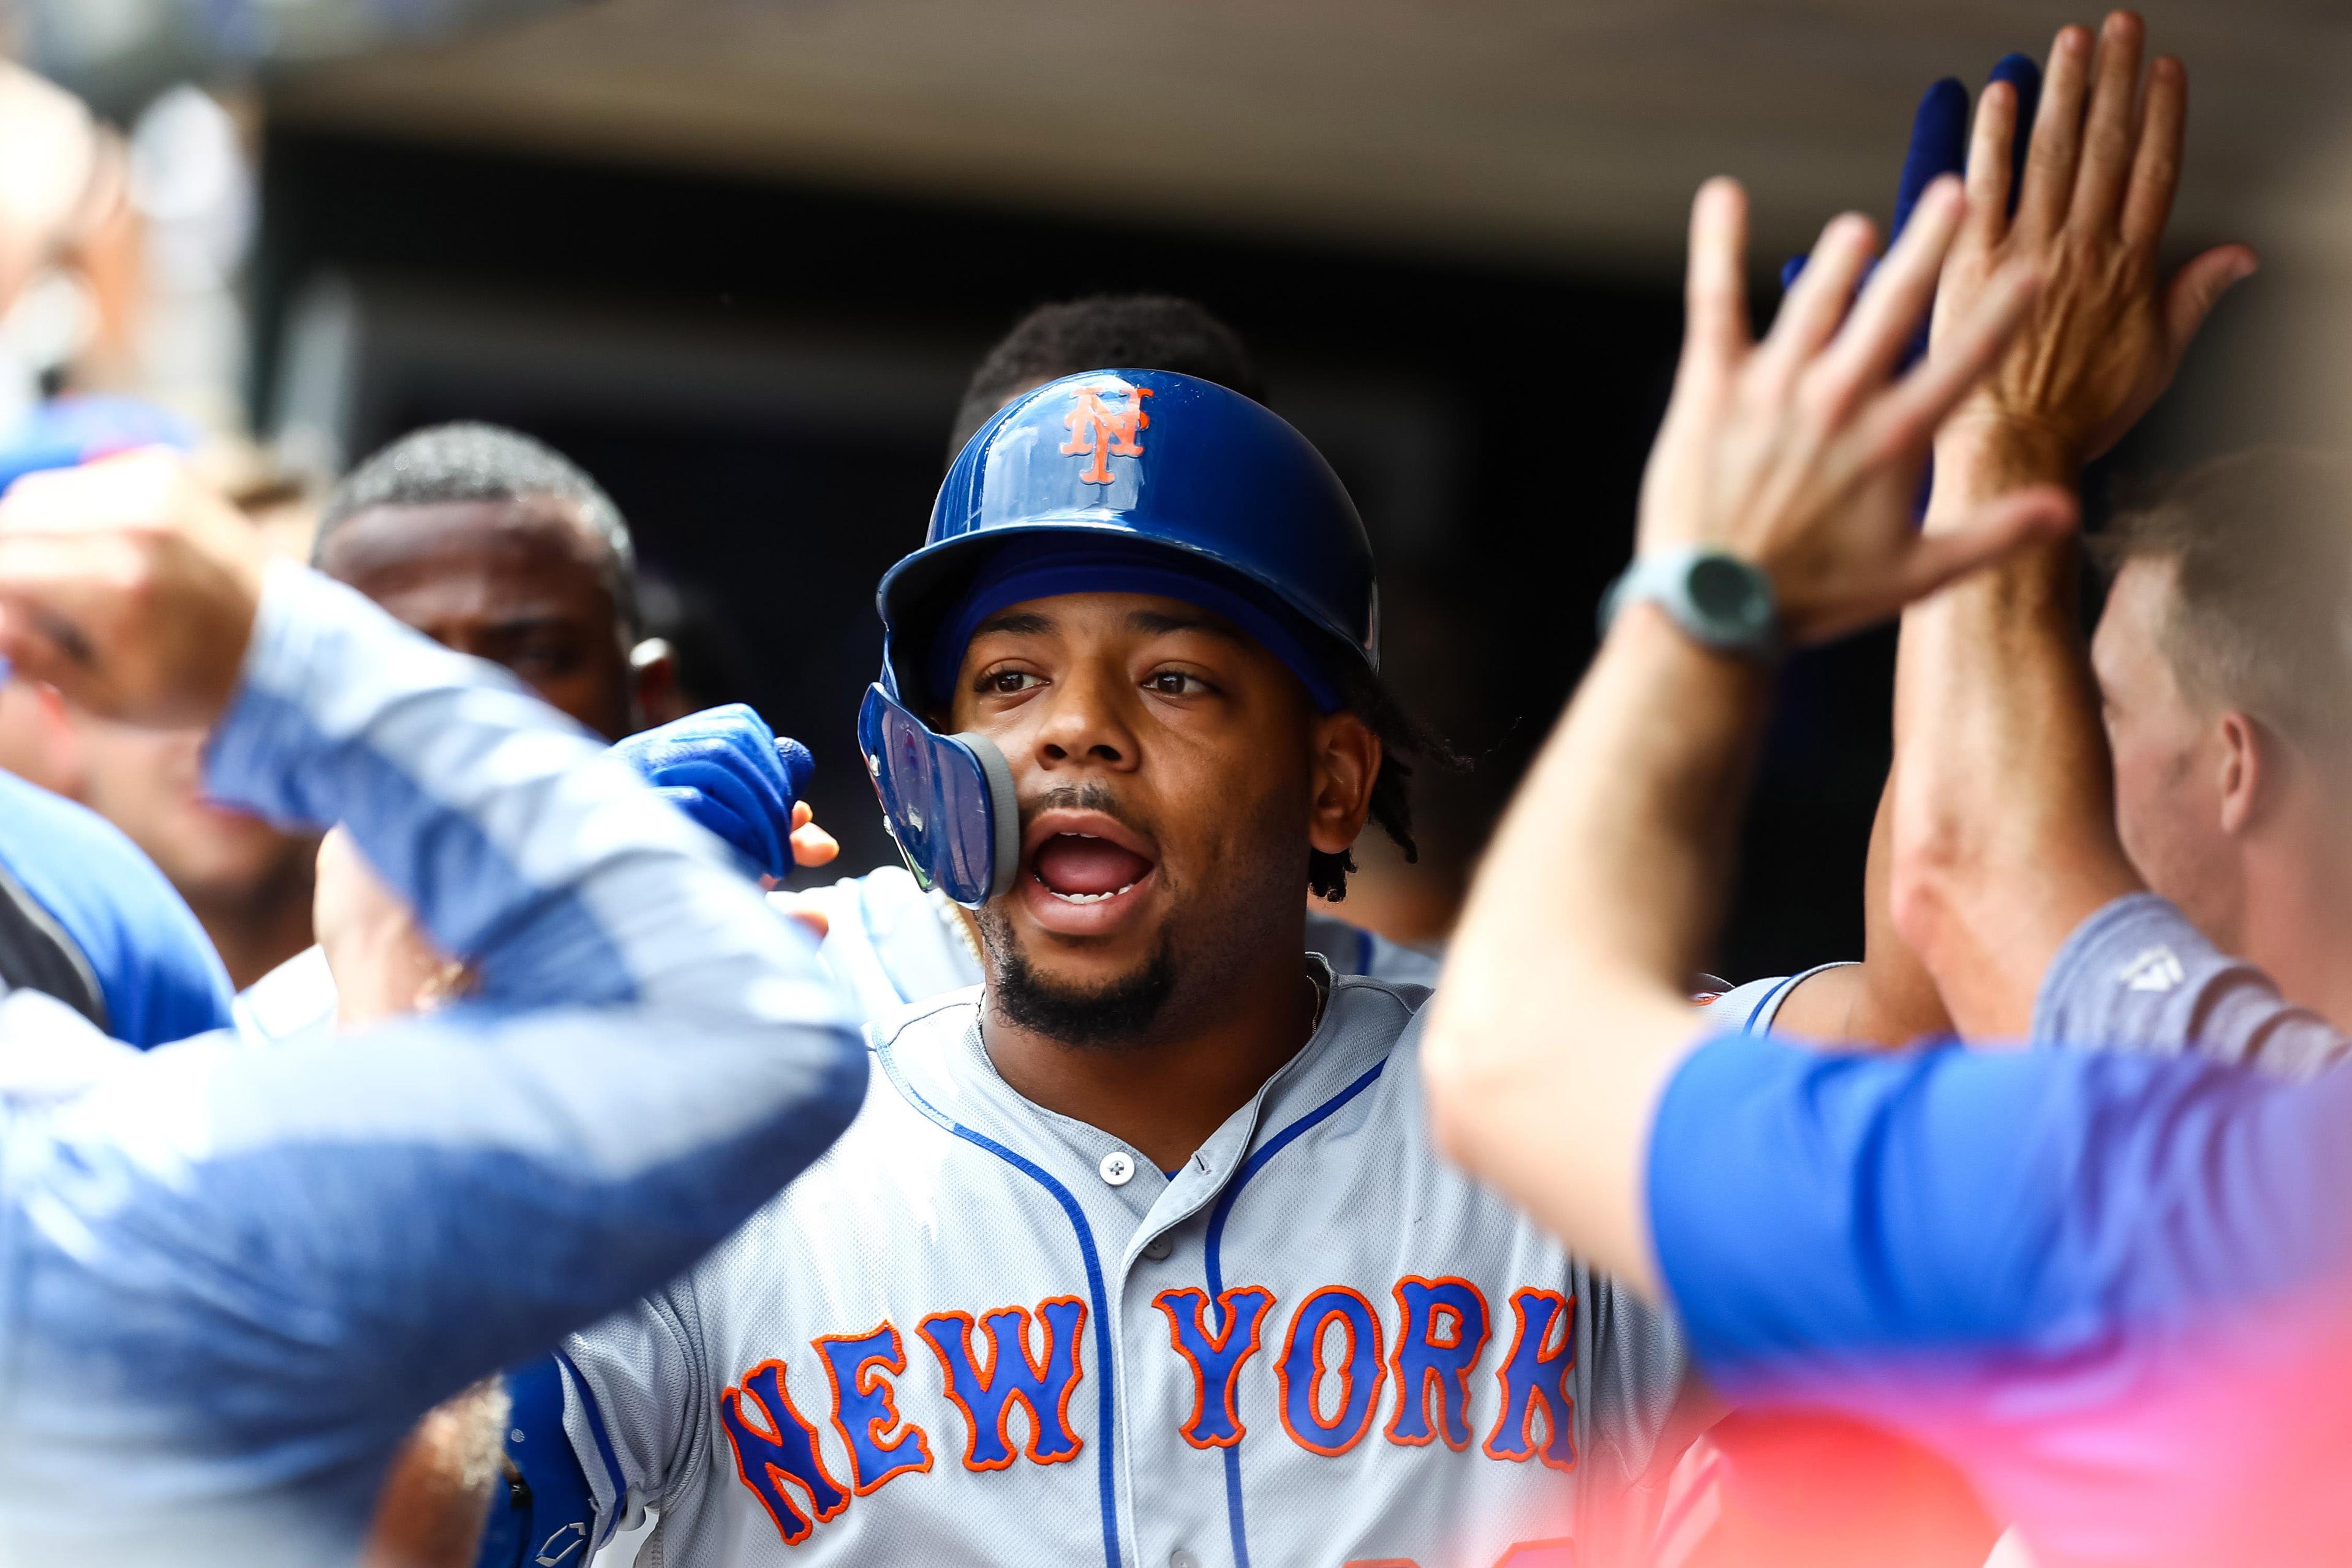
x=2004 y=833
x=1639 y=788
x=322 y=1238
x=1793 y=460
x=2005 y=836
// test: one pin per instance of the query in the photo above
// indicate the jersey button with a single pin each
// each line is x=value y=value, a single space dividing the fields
x=1180 y=1558
x=1118 y=1167
x=1158 y=1249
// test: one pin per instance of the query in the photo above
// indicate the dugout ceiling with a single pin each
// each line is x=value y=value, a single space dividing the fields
x=1541 y=130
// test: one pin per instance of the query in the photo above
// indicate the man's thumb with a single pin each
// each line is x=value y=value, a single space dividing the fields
x=2199 y=286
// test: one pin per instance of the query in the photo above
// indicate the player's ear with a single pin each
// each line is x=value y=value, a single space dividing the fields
x=653 y=692
x=2248 y=765
x=1345 y=756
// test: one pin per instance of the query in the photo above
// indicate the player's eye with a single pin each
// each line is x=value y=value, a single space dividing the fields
x=540 y=658
x=1006 y=682
x=1176 y=683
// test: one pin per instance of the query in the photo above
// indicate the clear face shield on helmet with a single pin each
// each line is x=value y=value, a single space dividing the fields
x=947 y=800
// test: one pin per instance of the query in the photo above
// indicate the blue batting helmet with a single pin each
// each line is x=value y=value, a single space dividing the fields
x=1121 y=476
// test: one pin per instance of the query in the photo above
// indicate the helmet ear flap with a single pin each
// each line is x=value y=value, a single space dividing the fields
x=947 y=800
x=1004 y=809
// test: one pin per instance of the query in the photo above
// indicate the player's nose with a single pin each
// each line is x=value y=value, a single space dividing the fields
x=1084 y=720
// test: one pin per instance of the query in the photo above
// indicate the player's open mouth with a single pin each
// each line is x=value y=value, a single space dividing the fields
x=1086 y=868
x=1085 y=873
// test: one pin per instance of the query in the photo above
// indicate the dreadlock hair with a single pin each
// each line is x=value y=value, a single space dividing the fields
x=1404 y=741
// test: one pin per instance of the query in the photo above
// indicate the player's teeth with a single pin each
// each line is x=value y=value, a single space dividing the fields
x=1084 y=898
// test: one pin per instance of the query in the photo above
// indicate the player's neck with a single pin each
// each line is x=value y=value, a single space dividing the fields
x=1167 y=1094
x=2298 y=923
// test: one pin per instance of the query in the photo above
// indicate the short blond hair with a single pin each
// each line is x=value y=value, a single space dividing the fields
x=2260 y=619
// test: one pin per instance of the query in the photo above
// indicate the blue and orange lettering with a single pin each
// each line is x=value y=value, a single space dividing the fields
x=1441 y=1330
x=1216 y=1358
x=1536 y=1377
x=774 y=1445
x=987 y=1394
x=1359 y=1369
x=866 y=1410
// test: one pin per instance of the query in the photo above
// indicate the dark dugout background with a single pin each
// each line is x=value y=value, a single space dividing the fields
x=1491 y=423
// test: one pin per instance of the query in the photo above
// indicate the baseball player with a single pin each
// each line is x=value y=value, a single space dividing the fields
x=1138 y=1253
x=892 y=942
x=235 y=1278
x=84 y=915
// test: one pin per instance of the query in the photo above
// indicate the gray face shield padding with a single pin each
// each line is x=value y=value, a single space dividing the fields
x=948 y=801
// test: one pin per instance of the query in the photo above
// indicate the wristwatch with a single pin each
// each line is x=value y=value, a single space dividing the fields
x=1717 y=600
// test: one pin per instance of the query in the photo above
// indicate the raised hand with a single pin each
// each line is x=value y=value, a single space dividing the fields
x=130 y=586
x=1802 y=453
x=2108 y=332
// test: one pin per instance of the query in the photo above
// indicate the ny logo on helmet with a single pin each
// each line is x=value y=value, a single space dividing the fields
x=1099 y=428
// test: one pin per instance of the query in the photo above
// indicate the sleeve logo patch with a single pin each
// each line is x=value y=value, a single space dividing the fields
x=2156 y=970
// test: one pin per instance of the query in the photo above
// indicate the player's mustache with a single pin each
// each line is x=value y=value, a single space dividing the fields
x=1093 y=795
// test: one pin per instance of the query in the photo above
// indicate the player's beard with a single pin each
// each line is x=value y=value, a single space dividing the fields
x=1184 y=984
x=1116 y=1014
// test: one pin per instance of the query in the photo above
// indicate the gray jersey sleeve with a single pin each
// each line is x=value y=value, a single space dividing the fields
x=237 y=1274
x=631 y=1405
x=2138 y=976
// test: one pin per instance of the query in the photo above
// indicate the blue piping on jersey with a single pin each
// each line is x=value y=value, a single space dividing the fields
x=1211 y=1249
x=603 y=1449
x=1747 y=1025
x=1771 y=999
x=1107 y=1404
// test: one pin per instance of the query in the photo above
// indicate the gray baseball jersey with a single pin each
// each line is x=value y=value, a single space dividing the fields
x=978 y=1332
x=1751 y=1007
x=2137 y=976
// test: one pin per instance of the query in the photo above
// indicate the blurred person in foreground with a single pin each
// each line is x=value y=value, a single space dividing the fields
x=2109 y=1286
x=2219 y=668
x=248 y=883
x=85 y=917
x=240 y=1275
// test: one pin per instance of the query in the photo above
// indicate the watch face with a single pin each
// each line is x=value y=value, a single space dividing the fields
x=1726 y=590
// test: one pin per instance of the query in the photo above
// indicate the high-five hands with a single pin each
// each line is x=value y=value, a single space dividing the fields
x=2108 y=332
x=1802 y=453
x=130 y=586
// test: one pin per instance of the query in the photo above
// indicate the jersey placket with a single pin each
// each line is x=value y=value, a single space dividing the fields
x=1123 y=1220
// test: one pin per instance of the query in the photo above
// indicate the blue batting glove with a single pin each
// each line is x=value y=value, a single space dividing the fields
x=1939 y=146
x=727 y=771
